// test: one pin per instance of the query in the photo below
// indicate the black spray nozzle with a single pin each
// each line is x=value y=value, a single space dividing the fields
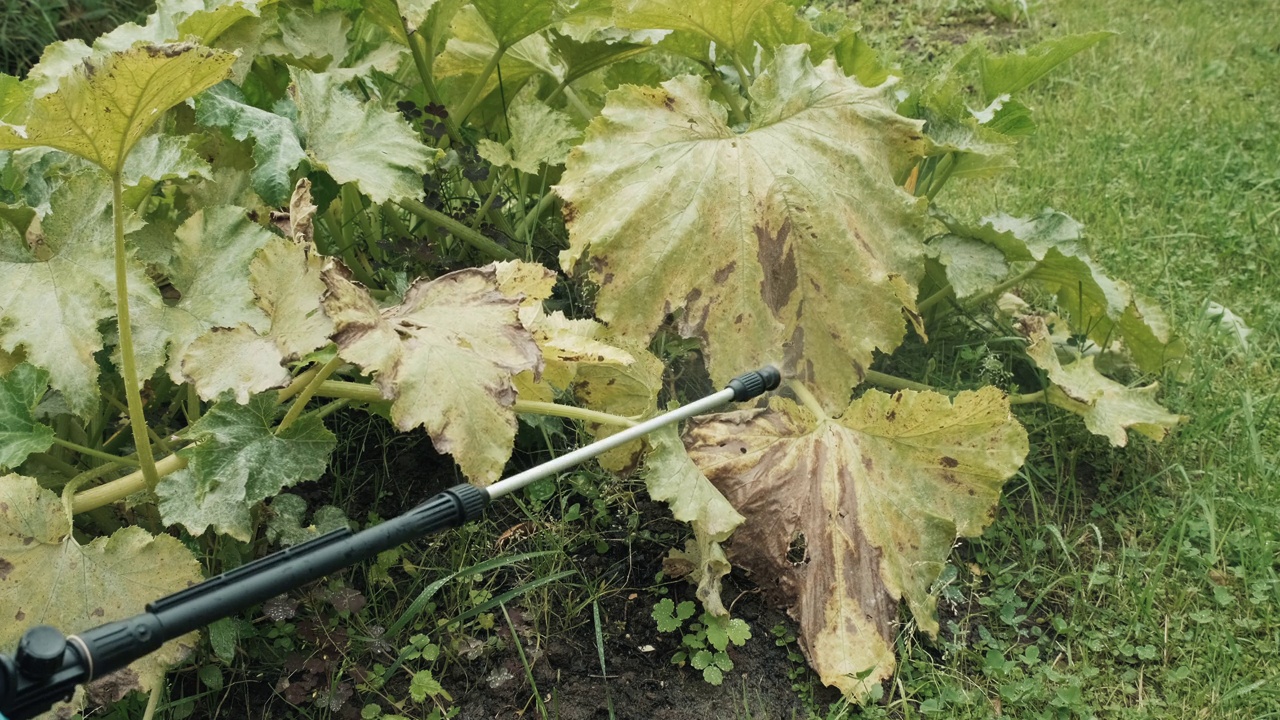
x=755 y=383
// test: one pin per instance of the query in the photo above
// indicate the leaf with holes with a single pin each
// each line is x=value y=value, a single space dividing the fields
x=876 y=498
x=760 y=240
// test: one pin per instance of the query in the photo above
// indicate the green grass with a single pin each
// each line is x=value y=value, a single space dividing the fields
x=1138 y=582
x=27 y=26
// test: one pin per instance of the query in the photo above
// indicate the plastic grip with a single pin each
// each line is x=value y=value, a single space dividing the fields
x=115 y=645
x=451 y=508
x=755 y=383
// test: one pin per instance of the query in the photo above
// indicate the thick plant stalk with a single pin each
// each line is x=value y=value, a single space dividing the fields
x=121 y=488
x=137 y=421
x=369 y=394
x=307 y=392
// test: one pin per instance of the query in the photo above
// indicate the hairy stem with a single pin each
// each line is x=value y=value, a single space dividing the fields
x=731 y=96
x=473 y=238
x=137 y=421
x=934 y=299
x=1028 y=398
x=532 y=218
x=360 y=392
x=76 y=447
x=123 y=487
x=473 y=95
x=807 y=399
x=893 y=382
x=298 y=383
x=305 y=396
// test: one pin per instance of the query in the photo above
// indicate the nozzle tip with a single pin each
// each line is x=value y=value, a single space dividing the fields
x=755 y=383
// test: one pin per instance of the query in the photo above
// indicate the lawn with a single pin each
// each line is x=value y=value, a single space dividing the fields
x=1138 y=582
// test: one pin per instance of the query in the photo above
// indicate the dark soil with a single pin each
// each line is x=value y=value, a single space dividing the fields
x=641 y=682
x=639 y=679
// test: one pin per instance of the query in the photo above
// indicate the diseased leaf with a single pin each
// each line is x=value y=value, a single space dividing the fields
x=1108 y=407
x=359 y=143
x=21 y=389
x=472 y=44
x=48 y=578
x=162 y=157
x=629 y=390
x=286 y=279
x=1108 y=309
x=209 y=266
x=539 y=136
x=239 y=460
x=445 y=357
x=102 y=109
x=740 y=232
x=511 y=21
x=972 y=266
x=673 y=478
x=276 y=147
x=867 y=506
x=735 y=27
x=57 y=284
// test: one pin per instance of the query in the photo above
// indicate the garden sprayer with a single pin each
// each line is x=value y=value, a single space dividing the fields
x=47 y=666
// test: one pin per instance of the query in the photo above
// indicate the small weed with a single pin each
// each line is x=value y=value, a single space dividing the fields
x=706 y=642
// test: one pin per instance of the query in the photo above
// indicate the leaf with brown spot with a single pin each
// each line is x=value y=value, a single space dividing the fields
x=445 y=357
x=877 y=508
x=668 y=201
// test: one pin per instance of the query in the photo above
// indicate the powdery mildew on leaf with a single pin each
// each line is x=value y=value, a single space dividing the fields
x=867 y=505
x=239 y=460
x=58 y=284
x=104 y=107
x=788 y=243
x=445 y=357
x=20 y=433
x=1108 y=407
x=357 y=142
x=48 y=578
x=285 y=275
x=276 y=147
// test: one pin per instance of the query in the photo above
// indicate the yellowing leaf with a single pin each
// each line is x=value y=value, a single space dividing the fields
x=788 y=243
x=539 y=136
x=276 y=147
x=867 y=506
x=286 y=279
x=1108 y=407
x=103 y=108
x=212 y=250
x=445 y=357
x=48 y=578
x=359 y=143
x=673 y=478
x=57 y=285
x=471 y=45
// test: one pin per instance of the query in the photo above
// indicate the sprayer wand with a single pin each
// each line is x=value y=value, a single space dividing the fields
x=47 y=666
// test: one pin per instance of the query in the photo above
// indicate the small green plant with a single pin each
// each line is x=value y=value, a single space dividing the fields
x=705 y=642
